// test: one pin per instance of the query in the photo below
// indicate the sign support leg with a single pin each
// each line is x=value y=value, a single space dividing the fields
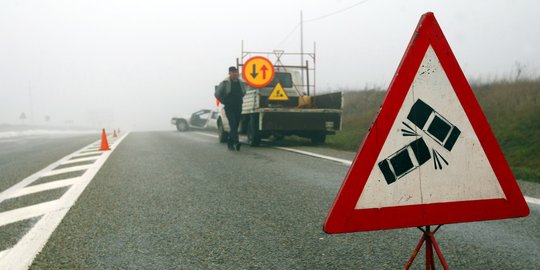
x=429 y=251
x=431 y=243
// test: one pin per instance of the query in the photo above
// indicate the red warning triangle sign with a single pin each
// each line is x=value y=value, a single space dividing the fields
x=430 y=156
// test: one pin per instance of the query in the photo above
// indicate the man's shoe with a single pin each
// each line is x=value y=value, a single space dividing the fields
x=230 y=146
x=237 y=146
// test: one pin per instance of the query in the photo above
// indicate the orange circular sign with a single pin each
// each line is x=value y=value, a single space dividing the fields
x=258 y=71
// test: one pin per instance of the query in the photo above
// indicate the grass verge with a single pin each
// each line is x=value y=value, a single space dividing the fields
x=511 y=107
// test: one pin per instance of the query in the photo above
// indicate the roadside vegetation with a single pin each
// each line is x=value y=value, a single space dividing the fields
x=511 y=107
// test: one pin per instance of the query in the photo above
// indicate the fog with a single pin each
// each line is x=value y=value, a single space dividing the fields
x=134 y=64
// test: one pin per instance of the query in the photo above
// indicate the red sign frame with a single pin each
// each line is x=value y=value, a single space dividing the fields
x=343 y=216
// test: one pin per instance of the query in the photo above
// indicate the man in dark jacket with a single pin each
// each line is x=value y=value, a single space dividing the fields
x=230 y=92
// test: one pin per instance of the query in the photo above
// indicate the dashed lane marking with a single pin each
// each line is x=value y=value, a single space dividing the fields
x=51 y=213
x=339 y=160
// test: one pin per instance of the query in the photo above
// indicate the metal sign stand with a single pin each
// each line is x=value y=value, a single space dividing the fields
x=429 y=238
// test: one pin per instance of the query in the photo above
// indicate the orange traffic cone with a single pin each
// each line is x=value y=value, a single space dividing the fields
x=114 y=134
x=104 y=142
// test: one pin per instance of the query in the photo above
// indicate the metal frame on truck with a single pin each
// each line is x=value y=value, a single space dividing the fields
x=303 y=114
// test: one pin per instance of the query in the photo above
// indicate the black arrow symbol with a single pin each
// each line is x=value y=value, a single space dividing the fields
x=254 y=72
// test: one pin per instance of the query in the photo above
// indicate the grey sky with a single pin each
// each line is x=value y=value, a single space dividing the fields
x=133 y=64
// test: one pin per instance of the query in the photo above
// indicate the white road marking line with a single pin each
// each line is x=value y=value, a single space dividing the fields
x=4 y=252
x=79 y=156
x=27 y=212
x=25 y=251
x=343 y=161
x=206 y=134
x=43 y=187
x=79 y=160
x=90 y=149
x=349 y=163
x=82 y=153
x=93 y=149
x=33 y=177
x=66 y=170
x=532 y=200
x=21 y=255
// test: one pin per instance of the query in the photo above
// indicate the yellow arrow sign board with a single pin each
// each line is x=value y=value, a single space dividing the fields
x=278 y=93
x=258 y=71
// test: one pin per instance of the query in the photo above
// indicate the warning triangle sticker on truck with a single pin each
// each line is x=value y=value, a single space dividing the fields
x=430 y=156
x=278 y=93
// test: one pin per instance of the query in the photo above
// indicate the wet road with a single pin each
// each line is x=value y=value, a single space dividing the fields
x=170 y=200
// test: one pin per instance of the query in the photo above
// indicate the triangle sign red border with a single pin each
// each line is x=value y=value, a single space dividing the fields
x=343 y=216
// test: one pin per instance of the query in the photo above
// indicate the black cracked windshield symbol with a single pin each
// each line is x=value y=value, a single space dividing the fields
x=416 y=153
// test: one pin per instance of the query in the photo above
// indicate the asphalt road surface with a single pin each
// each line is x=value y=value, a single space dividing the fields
x=171 y=200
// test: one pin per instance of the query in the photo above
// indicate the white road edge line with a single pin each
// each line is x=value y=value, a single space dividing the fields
x=206 y=134
x=4 y=252
x=339 y=160
x=22 y=254
x=532 y=200
x=343 y=161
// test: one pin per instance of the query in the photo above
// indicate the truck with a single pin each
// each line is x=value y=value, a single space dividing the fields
x=302 y=114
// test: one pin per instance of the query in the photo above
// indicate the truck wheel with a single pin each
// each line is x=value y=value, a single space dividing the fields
x=253 y=134
x=318 y=138
x=223 y=135
x=181 y=125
